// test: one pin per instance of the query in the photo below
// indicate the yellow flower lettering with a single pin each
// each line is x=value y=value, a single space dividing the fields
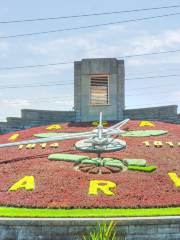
x=175 y=179
x=26 y=183
x=102 y=185
x=54 y=126
x=146 y=123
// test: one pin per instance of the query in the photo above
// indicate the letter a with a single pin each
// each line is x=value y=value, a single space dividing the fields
x=175 y=179
x=102 y=185
x=26 y=182
x=146 y=123
x=54 y=126
x=13 y=137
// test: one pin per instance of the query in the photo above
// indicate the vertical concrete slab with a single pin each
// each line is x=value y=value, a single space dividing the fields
x=83 y=70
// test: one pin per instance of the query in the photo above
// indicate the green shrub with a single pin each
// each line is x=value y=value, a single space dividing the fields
x=135 y=162
x=91 y=161
x=114 y=163
x=66 y=157
x=143 y=133
x=143 y=169
x=104 y=232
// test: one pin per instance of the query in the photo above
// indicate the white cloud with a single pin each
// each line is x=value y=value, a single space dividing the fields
x=14 y=103
x=114 y=41
x=161 y=41
x=96 y=44
x=3 y=45
x=177 y=95
x=158 y=60
x=11 y=108
x=20 y=75
x=35 y=75
x=4 y=48
x=65 y=102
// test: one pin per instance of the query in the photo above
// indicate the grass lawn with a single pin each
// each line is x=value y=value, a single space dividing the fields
x=40 y=212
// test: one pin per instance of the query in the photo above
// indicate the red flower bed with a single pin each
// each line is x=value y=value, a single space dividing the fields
x=60 y=185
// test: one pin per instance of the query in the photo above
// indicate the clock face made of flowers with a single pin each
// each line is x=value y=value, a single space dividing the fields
x=143 y=172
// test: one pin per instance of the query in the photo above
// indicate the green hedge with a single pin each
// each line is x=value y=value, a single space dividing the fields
x=143 y=169
x=67 y=157
x=135 y=162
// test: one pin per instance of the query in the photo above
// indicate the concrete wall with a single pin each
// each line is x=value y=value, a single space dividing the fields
x=177 y=118
x=162 y=113
x=46 y=115
x=167 y=228
x=31 y=117
x=83 y=70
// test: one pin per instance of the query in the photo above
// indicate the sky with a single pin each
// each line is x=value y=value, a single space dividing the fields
x=18 y=87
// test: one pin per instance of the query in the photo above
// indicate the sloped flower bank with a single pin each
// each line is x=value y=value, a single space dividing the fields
x=59 y=185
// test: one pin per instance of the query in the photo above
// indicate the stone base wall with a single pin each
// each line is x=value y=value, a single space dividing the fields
x=46 y=115
x=30 y=117
x=160 y=228
x=162 y=113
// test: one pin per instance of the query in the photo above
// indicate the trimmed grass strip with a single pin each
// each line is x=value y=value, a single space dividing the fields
x=135 y=162
x=143 y=133
x=40 y=212
x=143 y=169
x=67 y=157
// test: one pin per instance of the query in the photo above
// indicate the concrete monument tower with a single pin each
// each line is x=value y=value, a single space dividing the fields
x=99 y=87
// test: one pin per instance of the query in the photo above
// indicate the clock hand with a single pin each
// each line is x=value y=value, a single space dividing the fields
x=50 y=139
x=99 y=132
x=118 y=125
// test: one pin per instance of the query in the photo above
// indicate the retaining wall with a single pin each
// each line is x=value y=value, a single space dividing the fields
x=31 y=117
x=162 y=228
x=164 y=113
x=46 y=115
